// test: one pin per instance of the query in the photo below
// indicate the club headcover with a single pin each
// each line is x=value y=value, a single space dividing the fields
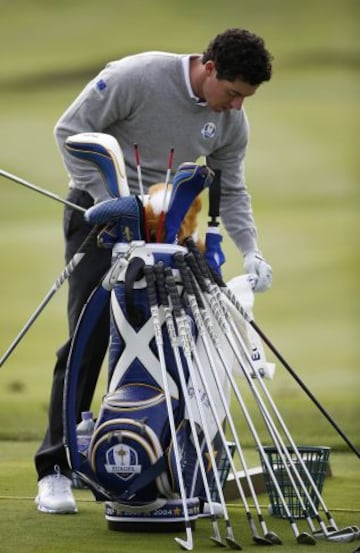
x=104 y=151
x=189 y=181
x=213 y=252
x=123 y=218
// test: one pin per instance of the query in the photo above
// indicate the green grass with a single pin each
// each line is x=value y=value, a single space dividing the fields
x=25 y=530
x=302 y=172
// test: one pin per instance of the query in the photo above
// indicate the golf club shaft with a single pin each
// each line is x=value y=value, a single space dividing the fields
x=174 y=340
x=42 y=191
x=304 y=387
x=155 y=315
x=69 y=269
x=222 y=286
x=185 y=339
x=167 y=180
x=214 y=409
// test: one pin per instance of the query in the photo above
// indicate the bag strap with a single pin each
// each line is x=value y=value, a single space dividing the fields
x=214 y=199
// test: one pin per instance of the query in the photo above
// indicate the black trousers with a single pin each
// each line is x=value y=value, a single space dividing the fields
x=81 y=283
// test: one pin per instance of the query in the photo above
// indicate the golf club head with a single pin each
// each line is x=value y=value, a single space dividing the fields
x=344 y=535
x=274 y=538
x=321 y=534
x=104 y=151
x=261 y=541
x=216 y=538
x=186 y=545
x=305 y=539
x=233 y=544
x=217 y=541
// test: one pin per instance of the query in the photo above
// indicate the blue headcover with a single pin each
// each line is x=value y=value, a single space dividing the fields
x=189 y=181
x=213 y=252
x=112 y=210
x=123 y=218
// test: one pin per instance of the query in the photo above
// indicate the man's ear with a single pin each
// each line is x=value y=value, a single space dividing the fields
x=209 y=67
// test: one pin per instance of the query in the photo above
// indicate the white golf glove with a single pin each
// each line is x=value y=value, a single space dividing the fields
x=260 y=272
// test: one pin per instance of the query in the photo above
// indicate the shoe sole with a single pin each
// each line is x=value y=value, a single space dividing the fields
x=43 y=509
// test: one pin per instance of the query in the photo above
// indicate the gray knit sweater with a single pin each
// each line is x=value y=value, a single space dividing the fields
x=145 y=99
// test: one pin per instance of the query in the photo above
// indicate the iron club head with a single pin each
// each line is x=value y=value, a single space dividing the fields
x=274 y=538
x=305 y=539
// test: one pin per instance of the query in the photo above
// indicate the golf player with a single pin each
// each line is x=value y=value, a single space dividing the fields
x=158 y=100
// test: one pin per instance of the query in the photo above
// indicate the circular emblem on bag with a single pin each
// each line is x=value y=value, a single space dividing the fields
x=122 y=461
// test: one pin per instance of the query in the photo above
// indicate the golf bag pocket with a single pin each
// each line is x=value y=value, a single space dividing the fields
x=128 y=448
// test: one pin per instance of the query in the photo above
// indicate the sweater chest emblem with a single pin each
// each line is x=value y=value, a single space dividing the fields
x=208 y=130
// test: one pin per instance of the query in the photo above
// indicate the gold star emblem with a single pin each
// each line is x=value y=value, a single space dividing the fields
x=208 y=458
x=127 y=233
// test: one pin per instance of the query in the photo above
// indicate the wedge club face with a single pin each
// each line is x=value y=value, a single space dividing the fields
x=262 y=541
x=274 y=538
x=233 y=544
x=186 y=545
x=217 y=540
x=305 y=539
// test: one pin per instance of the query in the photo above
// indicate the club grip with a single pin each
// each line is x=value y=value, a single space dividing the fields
x=160 y=282
x=203 y=266
x=174 y=295
x=215 y=277
x=150 y=283
x=201 y=261
x=190 y=243
x=192 y=262
x=181 y=265
x=196 y=291
x=185 y=273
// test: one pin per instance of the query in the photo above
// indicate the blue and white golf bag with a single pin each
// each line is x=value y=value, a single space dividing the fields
x=131 y=462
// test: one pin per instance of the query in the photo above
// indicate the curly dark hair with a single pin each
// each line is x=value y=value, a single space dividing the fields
x=239 y=54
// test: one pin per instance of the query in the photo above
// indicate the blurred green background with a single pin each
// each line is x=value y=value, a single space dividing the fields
x=302 y=173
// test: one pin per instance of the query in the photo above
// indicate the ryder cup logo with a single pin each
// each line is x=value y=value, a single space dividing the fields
x=122 y=461
x=208 y=130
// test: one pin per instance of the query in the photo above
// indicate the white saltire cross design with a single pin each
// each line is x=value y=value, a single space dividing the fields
x=137 y=346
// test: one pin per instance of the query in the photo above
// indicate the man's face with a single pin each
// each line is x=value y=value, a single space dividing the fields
x=222 y=95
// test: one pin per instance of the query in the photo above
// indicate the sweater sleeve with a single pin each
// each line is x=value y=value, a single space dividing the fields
x=107 y=98
x=235 y=206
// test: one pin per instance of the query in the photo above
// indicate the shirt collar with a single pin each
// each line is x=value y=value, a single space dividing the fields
x=186 y=69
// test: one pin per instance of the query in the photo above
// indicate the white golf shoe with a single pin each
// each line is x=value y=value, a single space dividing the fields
x=55 y=495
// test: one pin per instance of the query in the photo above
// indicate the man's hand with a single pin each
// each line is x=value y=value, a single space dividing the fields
x=260 y=272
